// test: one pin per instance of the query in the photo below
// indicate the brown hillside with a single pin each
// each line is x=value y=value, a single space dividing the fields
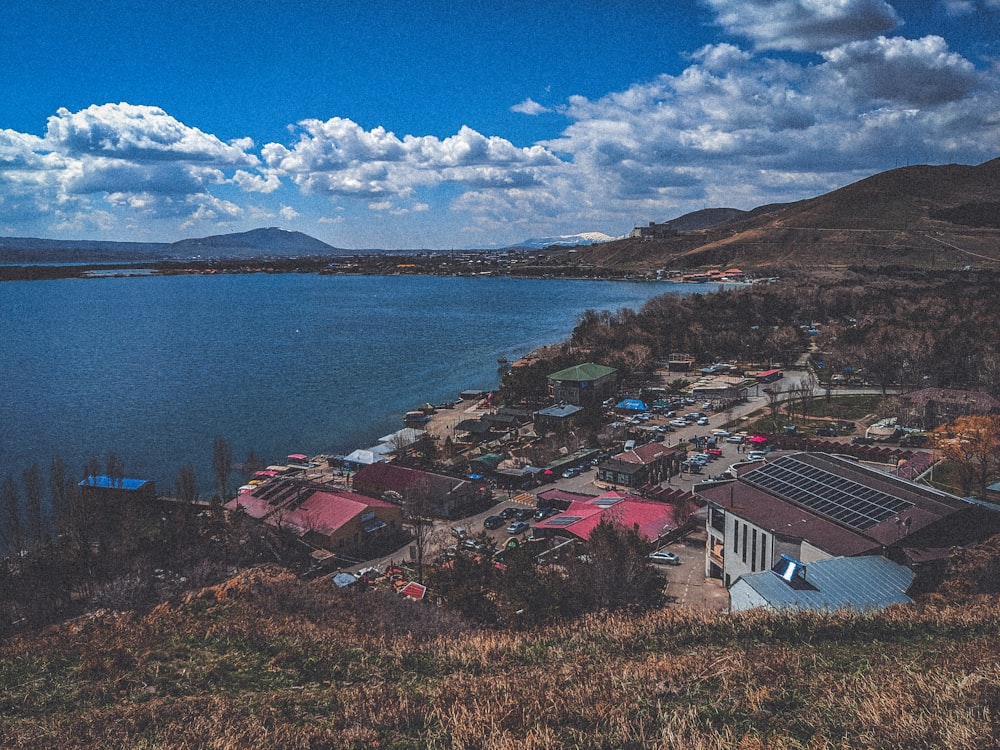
x=924 y=216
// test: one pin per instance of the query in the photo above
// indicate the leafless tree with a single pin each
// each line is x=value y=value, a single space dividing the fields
x=59 y=495
x=34 y=491
x=222 y=464
x=12 y=514
x=418 y=504
x=186 y=485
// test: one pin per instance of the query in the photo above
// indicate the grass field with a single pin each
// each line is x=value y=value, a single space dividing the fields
x=269 y=661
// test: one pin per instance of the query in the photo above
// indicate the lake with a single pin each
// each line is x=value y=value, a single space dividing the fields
x=155 y=368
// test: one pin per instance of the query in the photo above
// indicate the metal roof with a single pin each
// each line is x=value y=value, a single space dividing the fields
x=864 y=583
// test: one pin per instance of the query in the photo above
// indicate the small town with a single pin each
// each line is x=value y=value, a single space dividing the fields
x=745 y=501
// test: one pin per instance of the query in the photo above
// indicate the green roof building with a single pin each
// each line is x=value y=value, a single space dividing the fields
x=583 y=385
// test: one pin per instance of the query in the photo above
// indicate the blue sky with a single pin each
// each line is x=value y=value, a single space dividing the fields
x=471 y=124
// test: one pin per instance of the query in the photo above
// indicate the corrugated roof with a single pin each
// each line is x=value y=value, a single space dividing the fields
x=867 y=582
x=585 y=372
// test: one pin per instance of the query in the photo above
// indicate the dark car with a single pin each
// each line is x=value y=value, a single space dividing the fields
x=542 y=513
x=493 y=522
x=524 y=514
x=826 y=431
x=508 y=513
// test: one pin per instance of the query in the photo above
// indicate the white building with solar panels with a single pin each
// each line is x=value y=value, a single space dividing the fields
x=815 y=506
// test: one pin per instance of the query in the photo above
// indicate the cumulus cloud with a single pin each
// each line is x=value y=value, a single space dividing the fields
x=804 y=25
x=138 y=133
x=136 y=160
x=288 y=213
x=920 y=72
x=741 y=129
x=529 y=107
x=339 y=157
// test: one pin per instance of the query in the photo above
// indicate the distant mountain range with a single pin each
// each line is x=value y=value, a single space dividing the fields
x=924 y=216
x=257 y=243
x=566 y=240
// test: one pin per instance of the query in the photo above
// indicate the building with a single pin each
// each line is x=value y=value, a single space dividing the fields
x=117 y=507
x=650 y=463
x=334 y=519
x=583 y=385
x=652 y=520
x=863 y=583
x=446 y=497
x=929 y=407
x=812 y=506
x=556 y=417
x=720 y=388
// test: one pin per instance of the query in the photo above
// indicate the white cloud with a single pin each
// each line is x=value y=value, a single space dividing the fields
x=138 y=133
x=804 y=25
x=529 y=107
x=736 y=129
x=338 y=157
x=288 y=213
x=921 y=72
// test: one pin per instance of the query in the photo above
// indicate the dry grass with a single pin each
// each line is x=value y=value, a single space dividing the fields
x=269 y=661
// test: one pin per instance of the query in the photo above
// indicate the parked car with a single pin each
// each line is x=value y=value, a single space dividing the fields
x=861 y=440
x=734 y=438
x=508 y=513
x=703 y=421
x=542 y=513
x=493 y=522
x=518 y=527
x=678 y=423
x=826 y=431
x=721 y=433
x=663 y=557
x=570 y=473
x=756 y=456
x=524 y=514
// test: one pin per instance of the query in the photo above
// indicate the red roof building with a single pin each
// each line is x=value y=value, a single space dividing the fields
x=331 y=518
x=650 y=518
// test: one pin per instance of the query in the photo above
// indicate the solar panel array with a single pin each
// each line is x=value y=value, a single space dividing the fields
x=832 y=496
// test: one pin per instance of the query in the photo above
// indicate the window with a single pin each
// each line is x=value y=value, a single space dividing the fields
x=763 y=551
x=753 y=551
x=718 y=520
x=744 y=542
x=736 y=536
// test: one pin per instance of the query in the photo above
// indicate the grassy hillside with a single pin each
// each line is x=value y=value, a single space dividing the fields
x=922 y=216
x=269 y=661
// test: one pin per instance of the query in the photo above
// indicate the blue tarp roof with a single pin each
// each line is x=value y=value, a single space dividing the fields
x=107 y=482
x=633 y=404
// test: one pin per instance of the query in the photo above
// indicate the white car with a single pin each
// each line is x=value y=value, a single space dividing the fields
x=703 y=421
x=678 y=423
x=662 y=557
x=720 y=433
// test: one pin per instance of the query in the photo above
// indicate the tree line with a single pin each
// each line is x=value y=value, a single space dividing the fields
x=67 y=550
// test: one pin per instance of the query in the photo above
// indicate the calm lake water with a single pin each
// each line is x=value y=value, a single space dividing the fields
x=155 y=368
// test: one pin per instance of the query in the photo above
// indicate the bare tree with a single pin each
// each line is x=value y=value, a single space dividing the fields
x=186 y=485
x=418 y=503
x=222 y=464
x=34 y=491
x=774 y=394
x=12 y=514
x=58 y=495
x=115 y=469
